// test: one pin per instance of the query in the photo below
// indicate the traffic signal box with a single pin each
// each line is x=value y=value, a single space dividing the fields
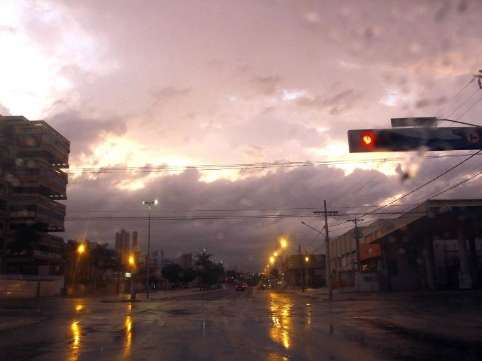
x=407 y=139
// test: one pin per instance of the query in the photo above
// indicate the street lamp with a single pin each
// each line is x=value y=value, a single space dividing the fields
x=275 y=254
x=307 y=259
x=149 y=205
x=131 y=262
x=81 y=249
x=283 y=242
x=272 y=260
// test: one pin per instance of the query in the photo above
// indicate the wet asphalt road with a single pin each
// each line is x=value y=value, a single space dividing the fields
x=229 y=325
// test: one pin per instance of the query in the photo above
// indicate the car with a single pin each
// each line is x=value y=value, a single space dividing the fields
x=241 y=286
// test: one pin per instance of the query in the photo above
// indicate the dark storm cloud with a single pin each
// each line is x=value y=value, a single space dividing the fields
x=233 y=240
x=85 y=131
x=243 y=242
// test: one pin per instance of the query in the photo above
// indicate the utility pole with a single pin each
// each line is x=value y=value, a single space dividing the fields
x=300 y=256
x=148 y=255
x=149 y=205
x=357 y=241
x=325 y=212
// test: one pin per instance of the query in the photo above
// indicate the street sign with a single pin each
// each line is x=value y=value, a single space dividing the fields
x=406 y=139
x=414 y=122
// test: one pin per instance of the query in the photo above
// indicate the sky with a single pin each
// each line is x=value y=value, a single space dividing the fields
x=167 y=85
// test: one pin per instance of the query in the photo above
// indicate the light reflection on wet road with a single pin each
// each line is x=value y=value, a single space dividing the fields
x=280 y=308
x=223 y=325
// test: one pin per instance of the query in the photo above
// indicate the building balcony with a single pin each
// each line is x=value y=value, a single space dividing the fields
x=37 y=138
x=37 y=209
x=37 y=176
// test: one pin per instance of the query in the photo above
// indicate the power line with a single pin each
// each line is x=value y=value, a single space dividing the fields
x=470 y=108
x=241 y=166
x=470 y=178
x=231 y=210
x=460 y=91
x=211 y=217
x=426 y=183
x=462 y=104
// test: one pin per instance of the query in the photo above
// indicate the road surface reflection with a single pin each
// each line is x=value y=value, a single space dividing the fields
x=281 y=324
x=75 y=346
x=128 y=332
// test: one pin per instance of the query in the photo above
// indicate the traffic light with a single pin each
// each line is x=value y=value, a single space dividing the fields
x=407 y=139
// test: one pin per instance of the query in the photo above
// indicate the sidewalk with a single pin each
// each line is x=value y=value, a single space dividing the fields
x=453 y=316
x=338 y=294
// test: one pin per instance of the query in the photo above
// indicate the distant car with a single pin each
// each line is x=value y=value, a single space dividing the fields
x=241 y=286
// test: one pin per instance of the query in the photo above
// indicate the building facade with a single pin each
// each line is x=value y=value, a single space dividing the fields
x=32 y=182
x=437 y=245
x=304 y=270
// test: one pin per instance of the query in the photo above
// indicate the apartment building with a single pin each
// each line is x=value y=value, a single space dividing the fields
x=32 y=182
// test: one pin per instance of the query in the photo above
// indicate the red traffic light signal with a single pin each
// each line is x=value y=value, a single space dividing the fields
x=407 y=139
x=368 y=140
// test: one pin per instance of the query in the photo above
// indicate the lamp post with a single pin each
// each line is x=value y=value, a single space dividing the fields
x=131 y=261
x=80 y=250
x=149 y=205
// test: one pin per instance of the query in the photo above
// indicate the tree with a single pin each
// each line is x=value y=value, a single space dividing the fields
x=172 y=272
x=187 y=276
x=209 y=272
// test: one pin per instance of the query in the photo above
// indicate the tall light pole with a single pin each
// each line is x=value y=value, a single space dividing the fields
x=80 y=250
x=131 y=262
x=149 y=205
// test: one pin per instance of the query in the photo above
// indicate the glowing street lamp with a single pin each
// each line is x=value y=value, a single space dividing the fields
x=81 y=249
x=272 y=260
x=307 y=259
x=283 y=242
x=131 y=261
x=275 y=254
